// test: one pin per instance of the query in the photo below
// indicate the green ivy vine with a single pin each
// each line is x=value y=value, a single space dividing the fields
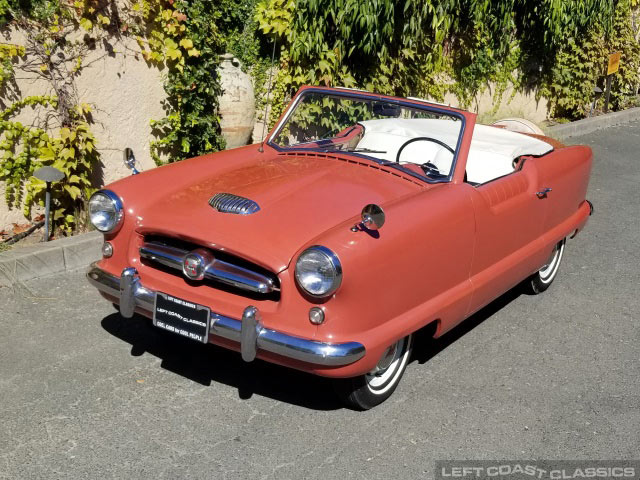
x=428 y=49
x=60 y=135
x=180 y=37
x=192 y=124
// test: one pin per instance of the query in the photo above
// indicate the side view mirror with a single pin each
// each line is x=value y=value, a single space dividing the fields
x=130 y=160
x=373 y=217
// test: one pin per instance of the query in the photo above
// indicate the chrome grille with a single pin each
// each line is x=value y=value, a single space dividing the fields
x=222 y=270
x=230 y=203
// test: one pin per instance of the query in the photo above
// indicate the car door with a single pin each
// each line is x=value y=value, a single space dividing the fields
x=509 y=218
x=564 y=174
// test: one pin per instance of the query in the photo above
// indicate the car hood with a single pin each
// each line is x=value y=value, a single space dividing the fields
x=300 y=197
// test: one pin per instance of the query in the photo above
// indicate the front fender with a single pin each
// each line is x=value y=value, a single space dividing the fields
x=412 y=271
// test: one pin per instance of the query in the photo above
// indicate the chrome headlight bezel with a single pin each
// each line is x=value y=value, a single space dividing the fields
x=116 y=210
x=332 y=261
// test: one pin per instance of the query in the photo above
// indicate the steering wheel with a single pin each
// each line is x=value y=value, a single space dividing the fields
x=418 y=139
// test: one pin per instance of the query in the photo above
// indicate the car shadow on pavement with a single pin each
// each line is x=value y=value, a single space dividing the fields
x=425 y=347
x=207 y=364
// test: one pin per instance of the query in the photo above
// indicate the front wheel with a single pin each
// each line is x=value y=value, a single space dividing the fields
x=367 y=391
x=541 y=280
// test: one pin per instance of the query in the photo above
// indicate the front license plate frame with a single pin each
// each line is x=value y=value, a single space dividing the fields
x=181 y=317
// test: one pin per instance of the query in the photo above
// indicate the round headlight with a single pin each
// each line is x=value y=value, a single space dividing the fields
x=318 y=271
x=105 y=211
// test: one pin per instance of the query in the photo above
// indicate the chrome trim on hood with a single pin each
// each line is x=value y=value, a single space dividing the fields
x=230 y=203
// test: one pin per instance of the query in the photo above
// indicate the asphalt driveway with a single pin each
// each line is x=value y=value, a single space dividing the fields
x=86 y=394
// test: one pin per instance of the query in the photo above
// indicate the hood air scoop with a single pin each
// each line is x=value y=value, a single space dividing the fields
x=230 y=203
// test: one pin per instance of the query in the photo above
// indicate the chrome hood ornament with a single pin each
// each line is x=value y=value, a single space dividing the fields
x=230 y=203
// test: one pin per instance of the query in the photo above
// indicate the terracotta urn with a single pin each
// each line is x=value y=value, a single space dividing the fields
x=237 y=103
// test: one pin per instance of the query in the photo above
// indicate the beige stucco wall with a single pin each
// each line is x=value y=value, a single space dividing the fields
x=520 y=105
x=125 y=94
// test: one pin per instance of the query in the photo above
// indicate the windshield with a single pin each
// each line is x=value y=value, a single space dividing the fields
x=417 y=139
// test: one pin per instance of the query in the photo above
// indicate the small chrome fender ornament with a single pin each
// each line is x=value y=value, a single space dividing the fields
x=230 y=203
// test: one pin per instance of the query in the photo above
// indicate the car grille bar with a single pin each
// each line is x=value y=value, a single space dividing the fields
x=218 y=270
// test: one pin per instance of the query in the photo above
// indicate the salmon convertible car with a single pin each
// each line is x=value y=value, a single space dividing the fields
x=360 y=220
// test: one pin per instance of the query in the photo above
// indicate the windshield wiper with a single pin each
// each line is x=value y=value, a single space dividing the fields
x=352 y=150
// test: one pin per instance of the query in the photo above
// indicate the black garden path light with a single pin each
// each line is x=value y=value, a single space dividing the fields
x=48 y=175
x=597 y=91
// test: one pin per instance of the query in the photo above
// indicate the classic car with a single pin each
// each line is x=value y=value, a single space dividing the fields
x=360 y=220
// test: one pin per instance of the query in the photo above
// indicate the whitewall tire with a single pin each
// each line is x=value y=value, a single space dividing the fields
x=542 y=279
x=367 y=391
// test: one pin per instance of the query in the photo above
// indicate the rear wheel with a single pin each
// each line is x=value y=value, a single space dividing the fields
x=367 y=391
x=541 y=280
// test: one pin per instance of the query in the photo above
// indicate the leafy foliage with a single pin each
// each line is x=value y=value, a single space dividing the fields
x=73 y=152
x=183 y=36
x=625 y=40
x=26 y=148
x=460 y=46
x=557 y=48
x=179 y=36
x=59 y=135
x=570 y=83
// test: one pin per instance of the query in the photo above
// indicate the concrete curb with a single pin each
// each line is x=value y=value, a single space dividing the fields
x=590 y=125
x=49 y=258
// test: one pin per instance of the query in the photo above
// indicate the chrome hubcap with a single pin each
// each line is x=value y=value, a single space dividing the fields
x=546 y=266
x=550 y=268
x=389 y=368
x=386 y=360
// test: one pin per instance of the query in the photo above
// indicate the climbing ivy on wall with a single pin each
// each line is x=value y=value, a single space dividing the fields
x=459 y=46
x=192 y=124
x=59 y=134
x=180 y=37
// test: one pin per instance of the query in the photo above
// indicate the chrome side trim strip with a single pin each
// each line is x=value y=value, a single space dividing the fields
x=128 y=290
x=218 y=270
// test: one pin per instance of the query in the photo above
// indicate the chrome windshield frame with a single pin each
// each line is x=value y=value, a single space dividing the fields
x=357 y=94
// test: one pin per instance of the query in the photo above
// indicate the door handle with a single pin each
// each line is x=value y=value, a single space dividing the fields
x=543 y=193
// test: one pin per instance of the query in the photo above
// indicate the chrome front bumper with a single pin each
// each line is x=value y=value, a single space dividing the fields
x=249 y=332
